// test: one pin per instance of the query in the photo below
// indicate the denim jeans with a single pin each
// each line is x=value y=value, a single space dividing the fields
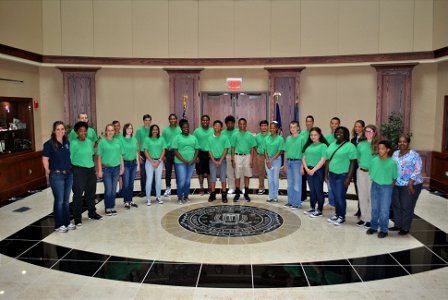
x=403 y=205
x=294 y=182
x=316 y=183
x=183 y=179
x=84 y=182
x=381 y=200
x=61 y=186
x=110 y=180
x=330 y=194
x=273 y=177
x=222 y=169
x=157 y=175
x=130 y=169
x=339 y=192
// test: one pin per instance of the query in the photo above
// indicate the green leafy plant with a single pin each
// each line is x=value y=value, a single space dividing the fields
x=393 y=128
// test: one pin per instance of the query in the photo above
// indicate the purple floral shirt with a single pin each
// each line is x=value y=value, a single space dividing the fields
x=409 y=167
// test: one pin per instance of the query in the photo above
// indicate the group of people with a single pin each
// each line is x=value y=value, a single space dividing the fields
x=230 y=155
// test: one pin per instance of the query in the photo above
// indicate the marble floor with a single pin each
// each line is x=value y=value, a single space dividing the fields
x=143 y=253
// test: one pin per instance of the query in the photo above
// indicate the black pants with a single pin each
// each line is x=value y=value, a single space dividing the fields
x=303 y=187
x=84 y=182
x=169 y=164
x=403 y=204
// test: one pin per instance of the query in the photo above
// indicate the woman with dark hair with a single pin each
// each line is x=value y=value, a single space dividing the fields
x=357 y=132
x=58 y=169
x=110 y=167
x=313 y=162
x=154 y=147
x=131 y=164
x=339 y=167
x=273 y=160
x=407 y=186
x=186 y=147
x=84 y=177
x=168 y=133
x=367 y=148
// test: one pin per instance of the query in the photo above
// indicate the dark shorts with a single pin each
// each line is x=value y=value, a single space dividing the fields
x=202 y=167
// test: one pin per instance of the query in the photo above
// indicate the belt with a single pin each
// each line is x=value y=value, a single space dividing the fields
x=364 y=170
x=241 y=154
x=293 y=159
x=218 y=158
x=68 y=171
x=130 y=161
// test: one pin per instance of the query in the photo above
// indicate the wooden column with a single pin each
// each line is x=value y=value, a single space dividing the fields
x=287 y=82
x=79 y=94
x=185 y=82
x=394 y=84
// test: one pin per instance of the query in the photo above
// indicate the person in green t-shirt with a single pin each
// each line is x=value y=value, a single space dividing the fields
x=313 y=162
x=228 y=132
x=383 y=171
x=217 y=146
x=118 y=135
x=154 y=148
x=339 y=168
x=186 y=148
x=367 y=148
x=131 y=164
x=309 y=123
x=168 y=134
x=84 y=177
x=335 y=122
x=243 y=150
x=141 y=134
x=273 y=148
x=260 y=139
x=110 y=167
x=202 y=166
x=91 y=134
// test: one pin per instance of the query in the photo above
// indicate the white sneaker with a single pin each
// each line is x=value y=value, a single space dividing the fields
x=61 y=229
x=71 y=226
x=332 y=219
x=159 y=200
x=167 y=192
x=148 y=202
x=231 y=192
x=339 y=221
x=243 y=191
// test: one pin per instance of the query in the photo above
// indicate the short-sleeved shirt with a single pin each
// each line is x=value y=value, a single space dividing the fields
x=340 y=162
x=294 y=147
x=59 y=158
x=202 y=135
x=273 y=144
x=110 y=152
x=365 y=156
x=169 y=133
x=228 y=133
x=118 y=136
x=186 y=145
x=260 y=139
x=409 y=167
x=243 y=142
x=330 y=138
x=141 y=134
x=383 y=171
x=130 y=148
x=81 y=153
x=155 y=146
x=91 y=135
x=217 y=144
x=314 y=153
x=305 y=134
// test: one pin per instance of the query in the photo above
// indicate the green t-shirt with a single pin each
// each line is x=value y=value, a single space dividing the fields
x=260 y=139
x=91 y=135
x=305 y=134
x=217 y=144
x=118 y=136
x=130 y=148
x=110 y=152
x=155 y=146
x=81 y=153
x=294 y=147
x=141 y=134
x=383 y=171
x=186 y=146
x=202 y=135
x=243 y=142
x=228 y=133
x=314 y=153
x=365 y=156
x=341 y=160
x=330 y=138
x=274 y=144
x=169 y=133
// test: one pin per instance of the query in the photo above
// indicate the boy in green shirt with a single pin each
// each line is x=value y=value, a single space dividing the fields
x=141 y=134
x=168 y=135
x=230 y=175
x=202 y=166
x=91 y=134
x=260 y=139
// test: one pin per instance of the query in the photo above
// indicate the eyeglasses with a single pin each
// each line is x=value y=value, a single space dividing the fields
x=370 y=131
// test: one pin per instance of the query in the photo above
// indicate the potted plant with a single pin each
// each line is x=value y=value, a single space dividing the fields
x=393 y=128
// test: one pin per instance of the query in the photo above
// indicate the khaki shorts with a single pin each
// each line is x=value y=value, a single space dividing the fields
x=242 y=166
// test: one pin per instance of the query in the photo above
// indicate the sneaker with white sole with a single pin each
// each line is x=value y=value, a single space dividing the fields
x=109 y=212
x=339 y=221
x=114 y=212
x=159 y=200
x=132 y=204
x=309 y=211
x=96 y=217
x=167 y=192
x=148 y=202
x=332 y=219
x=71 y=226
x=127 y=205
x=231 y=192
x=260 y=191
x=180 y=202
x=287 y=205
x=61 y=229
x=316 y=214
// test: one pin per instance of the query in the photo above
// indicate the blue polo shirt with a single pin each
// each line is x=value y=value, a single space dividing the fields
x=59 y=158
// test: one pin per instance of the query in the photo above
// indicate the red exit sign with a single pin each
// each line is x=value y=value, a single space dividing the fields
x=234 y=83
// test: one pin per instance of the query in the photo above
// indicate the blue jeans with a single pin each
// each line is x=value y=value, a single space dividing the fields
x=61 y=186
x=214 y=171
x=330 y=194
x=110 y=180
x=294 y=182
x=273 y=177
x=339 y=192
x=381 y=199
x=130 y=169
x=316 y=183
x=150 y=172
x=183 y=179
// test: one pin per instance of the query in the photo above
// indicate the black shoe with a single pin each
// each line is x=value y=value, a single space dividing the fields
x=141 y=194
x=114 y=212
x=246 y=197
x=367 y=225
x=237 y=195
x=370 y=231
x=395 y=228
x=212 y=197
x=358 y=213
x=361 y=223
x=382 y=234
x=403 y=232
x=96 y=217
x=133 y=204
x=224 y=197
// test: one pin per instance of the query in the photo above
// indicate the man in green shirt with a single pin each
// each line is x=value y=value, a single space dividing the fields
x=230 y=130
x=202 y=167
x=91 y=134
x=141 y=134
x=168 y=135
x=260 y=138
x=118 y=136
x=309 y=123
x=335 y=122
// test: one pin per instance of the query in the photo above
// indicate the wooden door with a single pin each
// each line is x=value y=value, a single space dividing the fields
x=217 y=106
x=252 y=107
